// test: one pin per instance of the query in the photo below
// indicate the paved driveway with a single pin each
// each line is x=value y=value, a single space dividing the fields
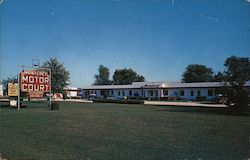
x=191 y=104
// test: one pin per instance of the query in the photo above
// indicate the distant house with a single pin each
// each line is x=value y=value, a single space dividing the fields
x=73 y=92
x=157 y=90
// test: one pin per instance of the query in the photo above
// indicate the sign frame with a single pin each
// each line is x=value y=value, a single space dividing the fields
x=19 y=67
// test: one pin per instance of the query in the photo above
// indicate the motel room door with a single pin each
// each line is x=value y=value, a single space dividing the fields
x=153 y=94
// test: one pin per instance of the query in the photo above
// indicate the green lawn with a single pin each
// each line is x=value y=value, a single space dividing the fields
x=120 y=131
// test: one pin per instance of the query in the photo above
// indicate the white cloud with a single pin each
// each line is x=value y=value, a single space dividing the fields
x=209 y=17
x=248 y=1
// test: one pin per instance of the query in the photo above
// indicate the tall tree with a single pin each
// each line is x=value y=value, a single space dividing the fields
x=59 y=75
x=237 y=73
x=219 y=77
x=197 y=73
x=102 y=78
x=126 y=76
x=237 y=70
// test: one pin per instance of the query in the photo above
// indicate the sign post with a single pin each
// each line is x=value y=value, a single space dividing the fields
x=18 y=98
x=50 y=96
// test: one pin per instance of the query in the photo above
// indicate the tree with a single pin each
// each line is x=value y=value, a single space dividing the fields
x=126 y=76
x=237 y=70
x=219 y=77
x=237 y=73
x=103 y=77
x=197 y=73
x=5 y=84
x=59 y=75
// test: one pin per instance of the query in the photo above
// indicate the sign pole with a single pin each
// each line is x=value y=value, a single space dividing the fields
x=50 y=88
x=18 y=97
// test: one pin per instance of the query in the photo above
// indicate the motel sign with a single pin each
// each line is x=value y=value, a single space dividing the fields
x=34 y=82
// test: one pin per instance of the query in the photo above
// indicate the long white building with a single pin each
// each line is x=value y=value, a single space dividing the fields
x=157 y=90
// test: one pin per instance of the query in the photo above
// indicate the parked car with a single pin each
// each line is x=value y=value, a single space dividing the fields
x=220 y=98
x=92 y=97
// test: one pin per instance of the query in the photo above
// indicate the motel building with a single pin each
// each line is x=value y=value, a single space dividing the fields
x=157 y=90
x=1 y=90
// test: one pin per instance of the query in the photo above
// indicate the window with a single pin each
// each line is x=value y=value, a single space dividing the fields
x=156 y=93
x=182 y=92
x=199 y=93
x=123 y=93
x=112 y=92
x=210 y=92
x=165 y=92
x=119 y=93
x=130 y=93
x=192 y=93
x=151 y=93
x=136 y=94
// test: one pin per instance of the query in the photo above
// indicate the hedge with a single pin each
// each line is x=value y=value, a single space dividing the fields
x=201 y=98
x=119 y=101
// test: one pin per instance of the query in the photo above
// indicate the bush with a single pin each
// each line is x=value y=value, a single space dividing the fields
x=136 y=98
x=132 y=102
x=164 y=98
x=119 y=101
x=239 y=98
x=201 y=98
x=54 y=106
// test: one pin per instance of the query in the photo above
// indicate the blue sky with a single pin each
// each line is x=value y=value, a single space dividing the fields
x=156 y=38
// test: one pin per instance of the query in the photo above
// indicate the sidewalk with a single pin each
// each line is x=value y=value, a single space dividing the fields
x=189 y=104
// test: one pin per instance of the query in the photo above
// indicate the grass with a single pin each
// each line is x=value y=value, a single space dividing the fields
x=121 y=131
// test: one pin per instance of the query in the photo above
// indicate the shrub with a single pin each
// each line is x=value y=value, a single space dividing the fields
x=164 y=98
x=119 y=101
x=239 y=98
x=132 y=102
x=136 y=98
x=201 y=98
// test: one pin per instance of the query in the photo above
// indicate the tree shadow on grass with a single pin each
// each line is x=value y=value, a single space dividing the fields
x=206 y=110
